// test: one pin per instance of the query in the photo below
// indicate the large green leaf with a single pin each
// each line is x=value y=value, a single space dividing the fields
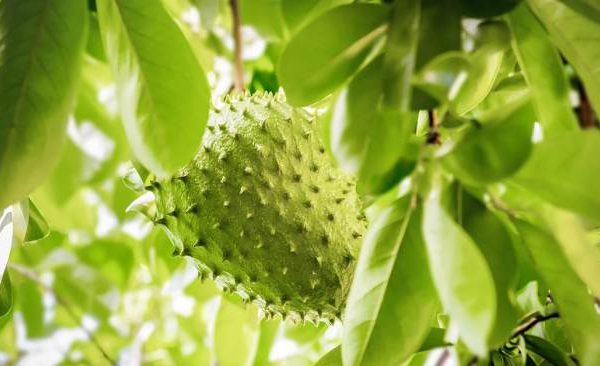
x=460 y=273
x=577 y=38
x=40 y=58
x=401 y=53
x=543 y=70
x=321 y=57
x=373 y=143
x=570 y=295
x=392 y=301
x=564 y=171
x=588 y=8
x=297 y=13
x=495 y=150
x=495 y=242
x=163 y=92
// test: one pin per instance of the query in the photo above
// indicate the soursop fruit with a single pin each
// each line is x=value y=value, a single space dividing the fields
x=263 y=210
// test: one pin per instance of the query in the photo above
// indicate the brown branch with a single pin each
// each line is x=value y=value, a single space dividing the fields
x=433 y=136
x=532 y=322
x=31 y=275
x=441 y=361
x=238 y=66
x=587 y=119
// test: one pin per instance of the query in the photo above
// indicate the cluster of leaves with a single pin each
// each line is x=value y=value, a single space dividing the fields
x=460 y=118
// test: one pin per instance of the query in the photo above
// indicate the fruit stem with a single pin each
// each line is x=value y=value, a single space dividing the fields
x=238 y=67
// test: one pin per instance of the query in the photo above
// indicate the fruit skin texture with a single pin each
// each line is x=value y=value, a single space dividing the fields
x=263 y=210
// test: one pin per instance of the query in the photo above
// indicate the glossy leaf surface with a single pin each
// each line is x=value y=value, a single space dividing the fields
x=40 y=58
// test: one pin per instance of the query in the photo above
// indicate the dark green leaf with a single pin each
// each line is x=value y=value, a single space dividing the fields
x=495 y=150
x=37 y=227
x=543 y=70
x=577 y=38
x=42 y=45
x=6 y=295
x=575 y=305
x=320 y=58
x=460 y=273
x=494 y=240
x=547 y=350
x=163 y=92
x=562 y=170
x=487 y=8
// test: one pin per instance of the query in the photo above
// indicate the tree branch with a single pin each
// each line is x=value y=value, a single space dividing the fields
x=587 y=119
x=532 y=322
x=433 y=136
x=31 y=275
x=238 y=66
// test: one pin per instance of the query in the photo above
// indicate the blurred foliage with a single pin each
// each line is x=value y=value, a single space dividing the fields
x=459 y=118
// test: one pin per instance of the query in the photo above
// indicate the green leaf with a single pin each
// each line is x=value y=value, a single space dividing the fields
x=392 y=300
x=544 y=72
x=235 y=325
x=297 y=13
x=588 y=8
x=570 y=295
x=460 y=273
x=495 y=242
x=400 y=54
x=493 y=151
x=268 y=333
x=373 y=143
x=438 y=75
x=487 y=8
x=578 y=249
x=320 y=57
x=37 y=227
x=42 y=45
x=163 y=92
x=31 y=305
x=6 y=295
x=577 y=39
x=561 y=170
x=485 y=67
x=6 y=237
x=547 y=350
x=265 y=16
x=331 y=358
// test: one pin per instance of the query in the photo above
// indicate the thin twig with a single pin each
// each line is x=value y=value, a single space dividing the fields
x=31 y=275
x=441 y=361
x=238 y=72
x=532 y=322
x=587 y=118
x=433 y=135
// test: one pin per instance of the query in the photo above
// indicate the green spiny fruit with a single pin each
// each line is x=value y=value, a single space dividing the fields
x=263 y=210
